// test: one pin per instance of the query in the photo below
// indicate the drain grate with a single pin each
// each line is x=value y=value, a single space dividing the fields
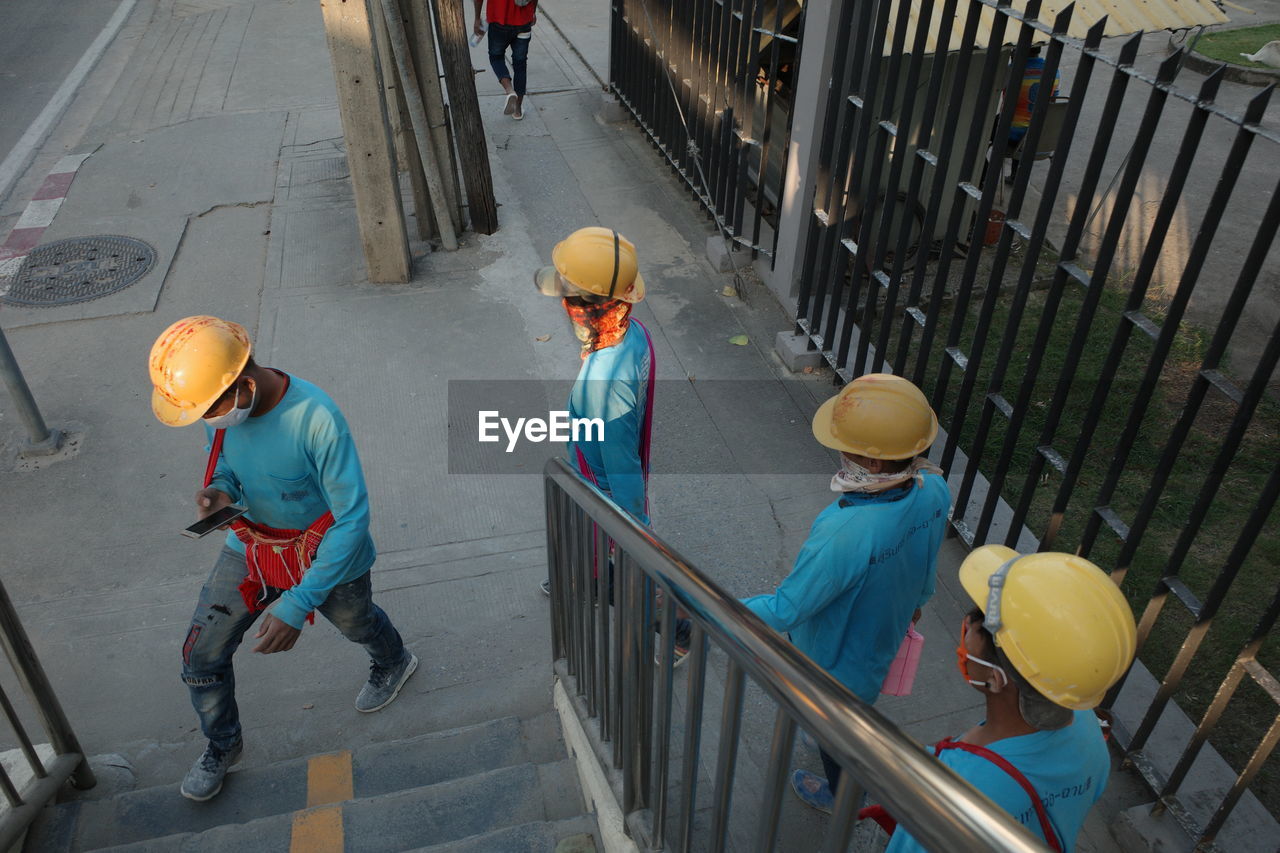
x=78 y=270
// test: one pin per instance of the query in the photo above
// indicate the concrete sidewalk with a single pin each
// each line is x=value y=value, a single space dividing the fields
x=215 y=136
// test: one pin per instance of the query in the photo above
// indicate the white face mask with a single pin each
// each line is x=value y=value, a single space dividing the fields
x=852 y=477
x=237 y=415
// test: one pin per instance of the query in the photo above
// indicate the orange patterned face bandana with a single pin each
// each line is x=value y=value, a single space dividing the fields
x=598 y=324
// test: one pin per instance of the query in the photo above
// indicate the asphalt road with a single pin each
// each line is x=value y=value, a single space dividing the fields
x=40 y=42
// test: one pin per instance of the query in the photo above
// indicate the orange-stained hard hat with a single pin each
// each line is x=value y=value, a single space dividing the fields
x=192 y=363
x=879 y=415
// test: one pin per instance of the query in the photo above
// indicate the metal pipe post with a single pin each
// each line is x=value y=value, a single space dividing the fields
x=42 y=439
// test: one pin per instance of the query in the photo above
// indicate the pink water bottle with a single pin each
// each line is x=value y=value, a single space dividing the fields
x=902 y=672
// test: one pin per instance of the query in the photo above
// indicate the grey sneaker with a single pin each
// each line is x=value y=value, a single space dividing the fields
x=204 y=779
x=384 y=685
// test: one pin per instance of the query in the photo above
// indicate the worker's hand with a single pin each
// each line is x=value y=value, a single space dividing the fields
x=276 y=636
x=209 y=501
x=535 y=19
x=478 y=28
x=915 y=617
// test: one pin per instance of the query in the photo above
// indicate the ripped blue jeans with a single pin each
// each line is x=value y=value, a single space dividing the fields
x=501 y=38
x=222 y=618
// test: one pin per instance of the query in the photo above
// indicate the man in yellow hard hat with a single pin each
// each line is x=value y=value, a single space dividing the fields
x=596 y=276
x=1049 y=635
x=868 y=565
x=280 y=447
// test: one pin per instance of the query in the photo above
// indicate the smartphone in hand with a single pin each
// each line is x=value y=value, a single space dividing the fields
x=207 y=525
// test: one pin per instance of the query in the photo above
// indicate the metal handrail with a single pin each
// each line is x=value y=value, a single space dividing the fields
x=939 y=808
x=68 y=763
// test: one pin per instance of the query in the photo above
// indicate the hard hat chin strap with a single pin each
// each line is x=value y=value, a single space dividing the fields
x=613 y=283
x=995 y=591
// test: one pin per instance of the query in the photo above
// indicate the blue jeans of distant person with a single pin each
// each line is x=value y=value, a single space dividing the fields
x=502 y=37
x=222 y=618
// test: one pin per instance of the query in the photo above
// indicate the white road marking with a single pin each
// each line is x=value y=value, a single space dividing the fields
x=70 y=163
x=39 y=213
x=9 y=266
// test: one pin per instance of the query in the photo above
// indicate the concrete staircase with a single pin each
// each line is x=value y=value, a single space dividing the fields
x=504 y=785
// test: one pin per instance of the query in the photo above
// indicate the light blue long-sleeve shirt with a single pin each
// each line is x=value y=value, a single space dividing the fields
x=612 y=386
x=868 y=563
x=289 y=467
x=1067 y=767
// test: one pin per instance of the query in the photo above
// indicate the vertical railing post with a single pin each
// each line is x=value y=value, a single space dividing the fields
x=727 y=758
x=31 y=675
x=695 y=697
x=666 y=675
x=41 y=439
x=551 y=498
x=784 y=732
x=630 y=664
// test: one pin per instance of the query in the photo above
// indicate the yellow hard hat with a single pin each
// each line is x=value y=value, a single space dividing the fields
x=593 y=262
x=1060 y=620
x=192 y=363
x=878 y=415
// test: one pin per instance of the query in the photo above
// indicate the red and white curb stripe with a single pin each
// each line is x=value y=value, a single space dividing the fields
x=39 y=214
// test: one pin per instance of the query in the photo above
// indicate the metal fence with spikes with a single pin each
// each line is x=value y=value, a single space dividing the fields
x=1078 y=325
x=709 y=83
x=1091 y=307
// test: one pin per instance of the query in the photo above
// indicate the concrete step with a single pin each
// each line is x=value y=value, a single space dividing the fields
x=542 y=837
x=429 y=816
x=281 y=788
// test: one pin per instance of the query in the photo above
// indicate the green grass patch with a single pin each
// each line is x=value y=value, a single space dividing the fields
x=1227 y=45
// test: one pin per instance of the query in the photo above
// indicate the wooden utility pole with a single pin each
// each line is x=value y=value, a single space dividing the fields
x=473 y=149
x=370 y=151
x=418 y=114
x=407 y=157
x=422 y=45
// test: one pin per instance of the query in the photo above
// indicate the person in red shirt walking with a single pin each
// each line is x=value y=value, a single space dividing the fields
x=510 y=26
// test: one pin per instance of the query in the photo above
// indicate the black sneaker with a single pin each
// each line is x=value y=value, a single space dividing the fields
x=204 y=779
x=384 y=684
x=684 y=635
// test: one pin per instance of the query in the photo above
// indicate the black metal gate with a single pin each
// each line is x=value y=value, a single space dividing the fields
x=710 y=82
x=1099 y=351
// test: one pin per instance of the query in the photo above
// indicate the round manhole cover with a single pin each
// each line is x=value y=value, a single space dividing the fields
x=78 y=270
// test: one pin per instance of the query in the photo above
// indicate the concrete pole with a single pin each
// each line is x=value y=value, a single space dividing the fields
x=42 y=440
x=809 y=112
x=371 y=154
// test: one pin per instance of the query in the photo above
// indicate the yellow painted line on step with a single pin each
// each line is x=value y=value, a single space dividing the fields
x=318 y=831
x=329 y=779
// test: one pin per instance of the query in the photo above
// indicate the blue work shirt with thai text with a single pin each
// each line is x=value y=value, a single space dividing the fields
x=1067 y=767
x=869 y=562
